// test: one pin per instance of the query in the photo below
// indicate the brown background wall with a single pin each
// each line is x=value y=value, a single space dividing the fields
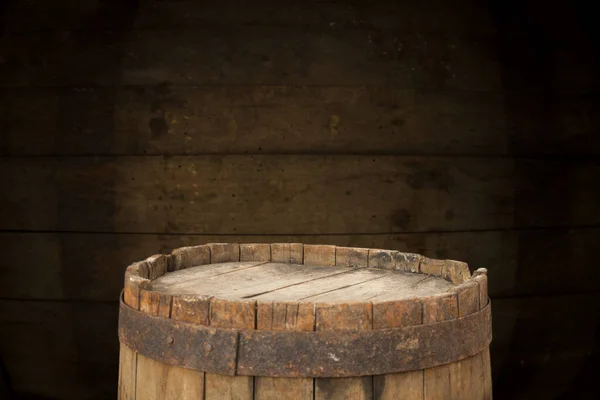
x=464 y=130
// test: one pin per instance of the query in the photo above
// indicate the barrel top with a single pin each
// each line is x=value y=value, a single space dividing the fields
x=269 y=281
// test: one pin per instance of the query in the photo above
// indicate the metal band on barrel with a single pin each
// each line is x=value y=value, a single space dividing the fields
x=295 y=354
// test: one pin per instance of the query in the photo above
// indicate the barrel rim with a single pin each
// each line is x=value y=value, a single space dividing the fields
x=295 y=354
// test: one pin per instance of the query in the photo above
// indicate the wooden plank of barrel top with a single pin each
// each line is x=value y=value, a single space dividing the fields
x=292 y=321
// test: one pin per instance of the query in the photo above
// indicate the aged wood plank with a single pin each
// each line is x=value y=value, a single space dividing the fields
x=440 y=307
x=91 y=266
x=417 y=285
x=190 y=309
x=190 y=256
x=158 y=381
x=437 y=381
x=319 y=254
x=201 y=272
x=191 y=194
x=464 y=18
x=267 y=119
x=266 y=57
x=468 y=298
x=127 y=373
x=248 y=282
x=467 y=379
x=255 y=252
x=396 y=314
x=234 y=314
x=351 y=257
x=135 y=296
x=378 y=285
x=282 y=317
x=294 y=282
x=276 y=119
x=287 y=253
x=487 y=375
x=316 y=287
x=350 y=316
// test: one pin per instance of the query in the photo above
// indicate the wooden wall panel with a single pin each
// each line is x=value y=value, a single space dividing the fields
x=466 y=16
x=170 y=119
x=256 y=119
x=257 y=55
x=341 y=194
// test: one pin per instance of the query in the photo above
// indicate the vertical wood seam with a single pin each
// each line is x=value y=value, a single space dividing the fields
x=135 y=375
x=424 y=387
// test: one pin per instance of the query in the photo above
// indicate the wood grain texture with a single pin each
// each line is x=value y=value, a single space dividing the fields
x=70 y=14
x=173 y=119
x=91 y=266
x=191 y=309
x=191 y=194
x=158 y=381
x=351 y=316
x=317 y=254
x=468 y=298
x=269 y=55
x=397 y=314
x=255 y=252
x=275 y=316
x=127 y=373
x=287 y=253
x=134 y=295
x=302 y=283
x=351 y=257
x=467 y=377
x=189 y=256
x=487 y=375
x=231 y=314
x=440 y=308
x=240 y=283
x=437 y=381
x=385 y=259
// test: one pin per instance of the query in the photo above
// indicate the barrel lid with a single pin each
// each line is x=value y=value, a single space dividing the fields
x=268 y=281
x=299 y=273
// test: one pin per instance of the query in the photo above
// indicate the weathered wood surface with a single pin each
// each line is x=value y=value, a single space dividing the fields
x=302 y=283
x=270 y=55
x=191 y=194
x=284 y=317
x=464 y=379
x=397 y=314
x=431 y=16
x=344 y=316
x=239 y=315
x=157 y=381
x=172 y=119
x=238 y=119
x=90 y=266
x=532 y=336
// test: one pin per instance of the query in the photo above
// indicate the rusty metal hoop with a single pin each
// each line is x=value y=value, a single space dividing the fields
x=304 y=354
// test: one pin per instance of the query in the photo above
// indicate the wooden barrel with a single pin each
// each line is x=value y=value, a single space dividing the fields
x=294 y=321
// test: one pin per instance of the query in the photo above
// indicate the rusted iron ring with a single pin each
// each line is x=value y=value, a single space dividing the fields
x=304 y=354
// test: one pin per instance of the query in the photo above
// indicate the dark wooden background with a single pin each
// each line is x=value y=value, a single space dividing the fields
x=457 y=129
